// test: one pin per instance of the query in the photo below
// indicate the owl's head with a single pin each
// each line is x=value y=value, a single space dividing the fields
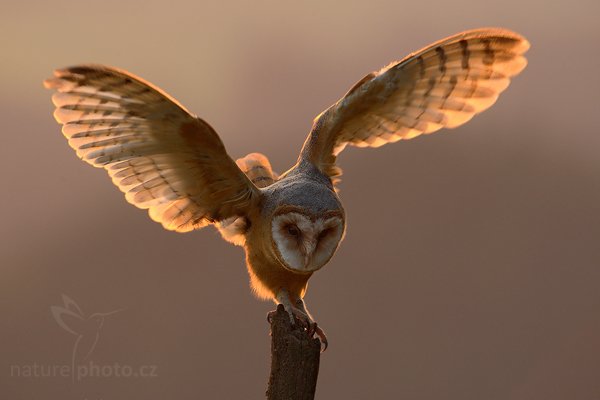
x=303 y=242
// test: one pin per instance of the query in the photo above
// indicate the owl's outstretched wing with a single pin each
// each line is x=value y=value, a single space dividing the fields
x=162 y=157
x=441 y=86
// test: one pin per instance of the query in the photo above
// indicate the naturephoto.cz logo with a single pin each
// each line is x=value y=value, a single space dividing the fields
x=85 y=330
x=82 y=371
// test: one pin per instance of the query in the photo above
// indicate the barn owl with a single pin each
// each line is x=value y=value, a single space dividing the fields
x=172 y=163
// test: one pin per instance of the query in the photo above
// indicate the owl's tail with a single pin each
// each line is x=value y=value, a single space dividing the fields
x=257 y=168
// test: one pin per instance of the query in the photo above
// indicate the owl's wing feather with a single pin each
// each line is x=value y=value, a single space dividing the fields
x=162 y=157
x=258 y=169
x=443 y=85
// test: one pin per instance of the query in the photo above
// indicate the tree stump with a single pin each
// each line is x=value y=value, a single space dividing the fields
x=294 y=360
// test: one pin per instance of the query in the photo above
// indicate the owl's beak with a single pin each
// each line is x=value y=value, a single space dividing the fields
x=310 y=248
x=306 y=261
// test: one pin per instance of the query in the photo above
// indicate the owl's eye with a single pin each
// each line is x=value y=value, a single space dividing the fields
x=293 y=230
x=324 y=233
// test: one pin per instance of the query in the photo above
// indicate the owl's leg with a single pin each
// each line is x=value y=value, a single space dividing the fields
x=283 y=298
x=313 y=327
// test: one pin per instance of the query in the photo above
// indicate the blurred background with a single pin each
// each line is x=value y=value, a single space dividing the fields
x=470 y=269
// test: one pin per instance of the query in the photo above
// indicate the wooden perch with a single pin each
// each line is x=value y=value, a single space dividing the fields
x=294 y=360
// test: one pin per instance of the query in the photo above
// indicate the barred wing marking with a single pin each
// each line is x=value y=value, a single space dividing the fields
x=443 y=85
x=162 y=157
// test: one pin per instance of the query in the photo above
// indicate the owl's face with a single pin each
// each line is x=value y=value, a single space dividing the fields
x=304 y=243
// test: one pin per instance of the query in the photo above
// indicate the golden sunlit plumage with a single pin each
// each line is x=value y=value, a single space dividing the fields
x=163 y=158
x=172 y=163
x=443 y=85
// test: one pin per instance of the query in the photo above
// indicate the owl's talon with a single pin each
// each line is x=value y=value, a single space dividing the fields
x=312 y=328
x=299 y=315
x=322 y=337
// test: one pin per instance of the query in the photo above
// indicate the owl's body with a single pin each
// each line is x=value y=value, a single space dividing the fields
x=173 y=164
x=304 y=194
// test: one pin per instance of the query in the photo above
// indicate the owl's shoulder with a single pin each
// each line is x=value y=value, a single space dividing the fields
x=303 y=173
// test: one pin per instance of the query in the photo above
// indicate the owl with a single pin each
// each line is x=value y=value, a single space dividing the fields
x=172 y=163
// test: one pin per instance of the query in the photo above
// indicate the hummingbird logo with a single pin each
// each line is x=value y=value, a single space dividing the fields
x=86 y=329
